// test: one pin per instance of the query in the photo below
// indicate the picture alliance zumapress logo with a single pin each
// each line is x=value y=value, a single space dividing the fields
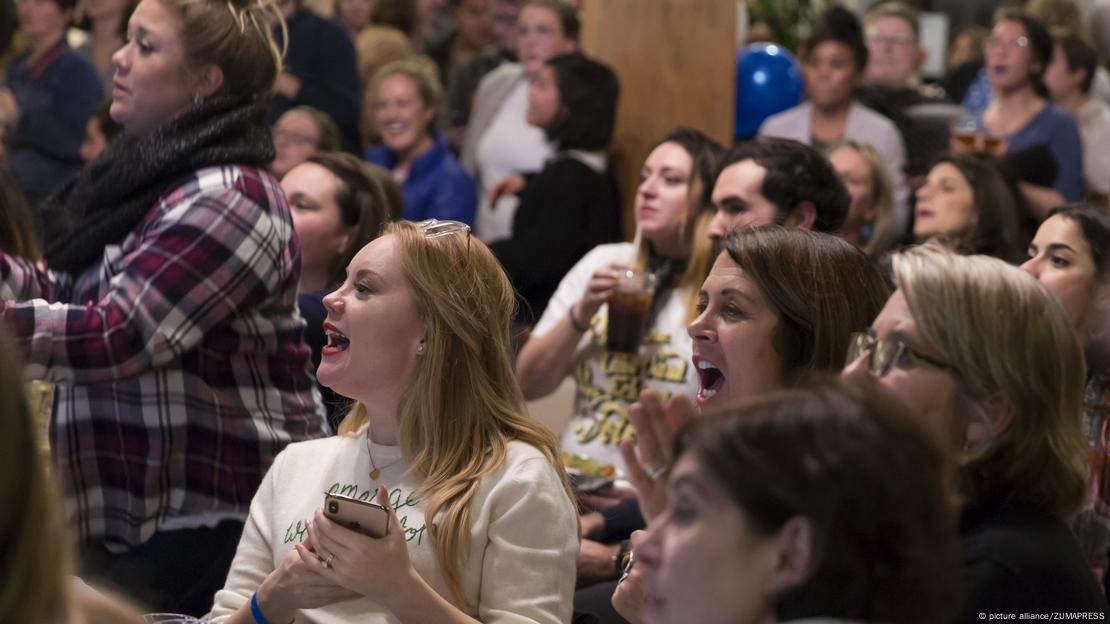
x=1070 y=616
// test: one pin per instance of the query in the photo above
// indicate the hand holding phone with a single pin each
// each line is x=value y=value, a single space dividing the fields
x=367 y=518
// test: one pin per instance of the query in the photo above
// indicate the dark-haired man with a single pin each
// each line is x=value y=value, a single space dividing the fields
x=770 y=180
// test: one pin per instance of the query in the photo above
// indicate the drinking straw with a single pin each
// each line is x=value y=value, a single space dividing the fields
x=636 y=245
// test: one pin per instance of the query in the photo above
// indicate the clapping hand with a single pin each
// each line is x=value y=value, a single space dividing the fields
x=647 y=458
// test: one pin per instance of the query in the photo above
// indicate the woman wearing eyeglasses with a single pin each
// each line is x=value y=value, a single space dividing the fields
x=991 y=364
x=1041 y=140
x=481 y=523
x=299 y=133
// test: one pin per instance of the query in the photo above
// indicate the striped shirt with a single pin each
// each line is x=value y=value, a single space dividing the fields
x=179 y=359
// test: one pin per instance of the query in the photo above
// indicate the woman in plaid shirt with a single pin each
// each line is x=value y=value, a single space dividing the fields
x=168 y=318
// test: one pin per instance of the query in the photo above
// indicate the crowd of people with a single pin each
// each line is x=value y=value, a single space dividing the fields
x=260 y=259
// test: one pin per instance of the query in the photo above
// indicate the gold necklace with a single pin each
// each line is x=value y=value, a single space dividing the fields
x=376 y=472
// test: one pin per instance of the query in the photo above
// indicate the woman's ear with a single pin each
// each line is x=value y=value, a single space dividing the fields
x=987 y=419
x=795 y=555
x=211 y=78
x=999 y=413
x=346 y=240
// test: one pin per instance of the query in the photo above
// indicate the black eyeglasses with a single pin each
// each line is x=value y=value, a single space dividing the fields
x=886 y=354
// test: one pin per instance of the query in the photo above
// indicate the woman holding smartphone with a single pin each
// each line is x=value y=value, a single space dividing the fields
x=418 y=335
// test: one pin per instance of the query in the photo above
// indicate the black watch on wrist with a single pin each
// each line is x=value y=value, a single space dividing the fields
x=621 y=558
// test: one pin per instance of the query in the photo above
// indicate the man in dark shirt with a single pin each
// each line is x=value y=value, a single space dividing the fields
x=896 y=54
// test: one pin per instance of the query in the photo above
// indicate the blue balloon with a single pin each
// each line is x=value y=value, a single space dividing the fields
x=768 y=81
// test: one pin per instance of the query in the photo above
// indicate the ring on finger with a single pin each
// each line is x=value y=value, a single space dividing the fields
x=654 y=472
x=327 y=562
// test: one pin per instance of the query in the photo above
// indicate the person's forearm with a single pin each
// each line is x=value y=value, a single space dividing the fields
x=545 y=361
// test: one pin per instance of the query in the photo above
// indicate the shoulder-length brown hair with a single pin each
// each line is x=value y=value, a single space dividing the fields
x=999 y=230
x=867 y=479
x=1010 y=339
x=823 y=288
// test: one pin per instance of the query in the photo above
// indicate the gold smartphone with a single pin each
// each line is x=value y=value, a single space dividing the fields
x=366 y=518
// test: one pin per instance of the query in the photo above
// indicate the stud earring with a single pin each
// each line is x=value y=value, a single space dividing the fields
x=420 y=348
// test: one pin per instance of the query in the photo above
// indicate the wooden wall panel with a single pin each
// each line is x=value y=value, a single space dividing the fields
x=676 y=63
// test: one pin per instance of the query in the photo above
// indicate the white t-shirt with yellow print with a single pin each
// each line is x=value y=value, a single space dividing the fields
x=607 y=383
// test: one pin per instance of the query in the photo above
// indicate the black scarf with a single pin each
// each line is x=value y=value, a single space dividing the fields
x=108 y=199
x=668 y=272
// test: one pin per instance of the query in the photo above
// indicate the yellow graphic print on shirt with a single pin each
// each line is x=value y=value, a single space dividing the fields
x=297 y=531
x=620 y=378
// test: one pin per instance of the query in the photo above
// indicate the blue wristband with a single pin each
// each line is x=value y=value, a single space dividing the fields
x=256 y=613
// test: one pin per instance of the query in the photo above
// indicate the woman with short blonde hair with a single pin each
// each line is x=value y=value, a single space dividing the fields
x=988 y=359
x=1000 y=344
x=406 y=97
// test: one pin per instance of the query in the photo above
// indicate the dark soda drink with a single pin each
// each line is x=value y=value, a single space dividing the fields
x=628 y=312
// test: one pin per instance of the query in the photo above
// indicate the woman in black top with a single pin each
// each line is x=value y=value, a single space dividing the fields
x=570 y=206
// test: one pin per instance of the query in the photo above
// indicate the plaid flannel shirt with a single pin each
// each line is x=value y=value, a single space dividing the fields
x=179 y=359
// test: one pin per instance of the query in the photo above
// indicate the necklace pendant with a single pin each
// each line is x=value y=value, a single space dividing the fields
x=374 y=474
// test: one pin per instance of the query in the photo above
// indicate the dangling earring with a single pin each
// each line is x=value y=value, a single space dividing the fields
x=420 y=348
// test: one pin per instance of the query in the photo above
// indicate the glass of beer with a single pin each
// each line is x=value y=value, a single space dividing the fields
x=965 y=129
x=628 y=311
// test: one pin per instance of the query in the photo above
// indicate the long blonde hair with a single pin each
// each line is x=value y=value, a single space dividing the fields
x=33 y=586
x=37 y=560
x=1008 y=337
x=463 y=404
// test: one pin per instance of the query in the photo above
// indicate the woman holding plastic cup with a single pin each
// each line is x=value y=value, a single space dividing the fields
x=573 y=337
x=672 y=209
